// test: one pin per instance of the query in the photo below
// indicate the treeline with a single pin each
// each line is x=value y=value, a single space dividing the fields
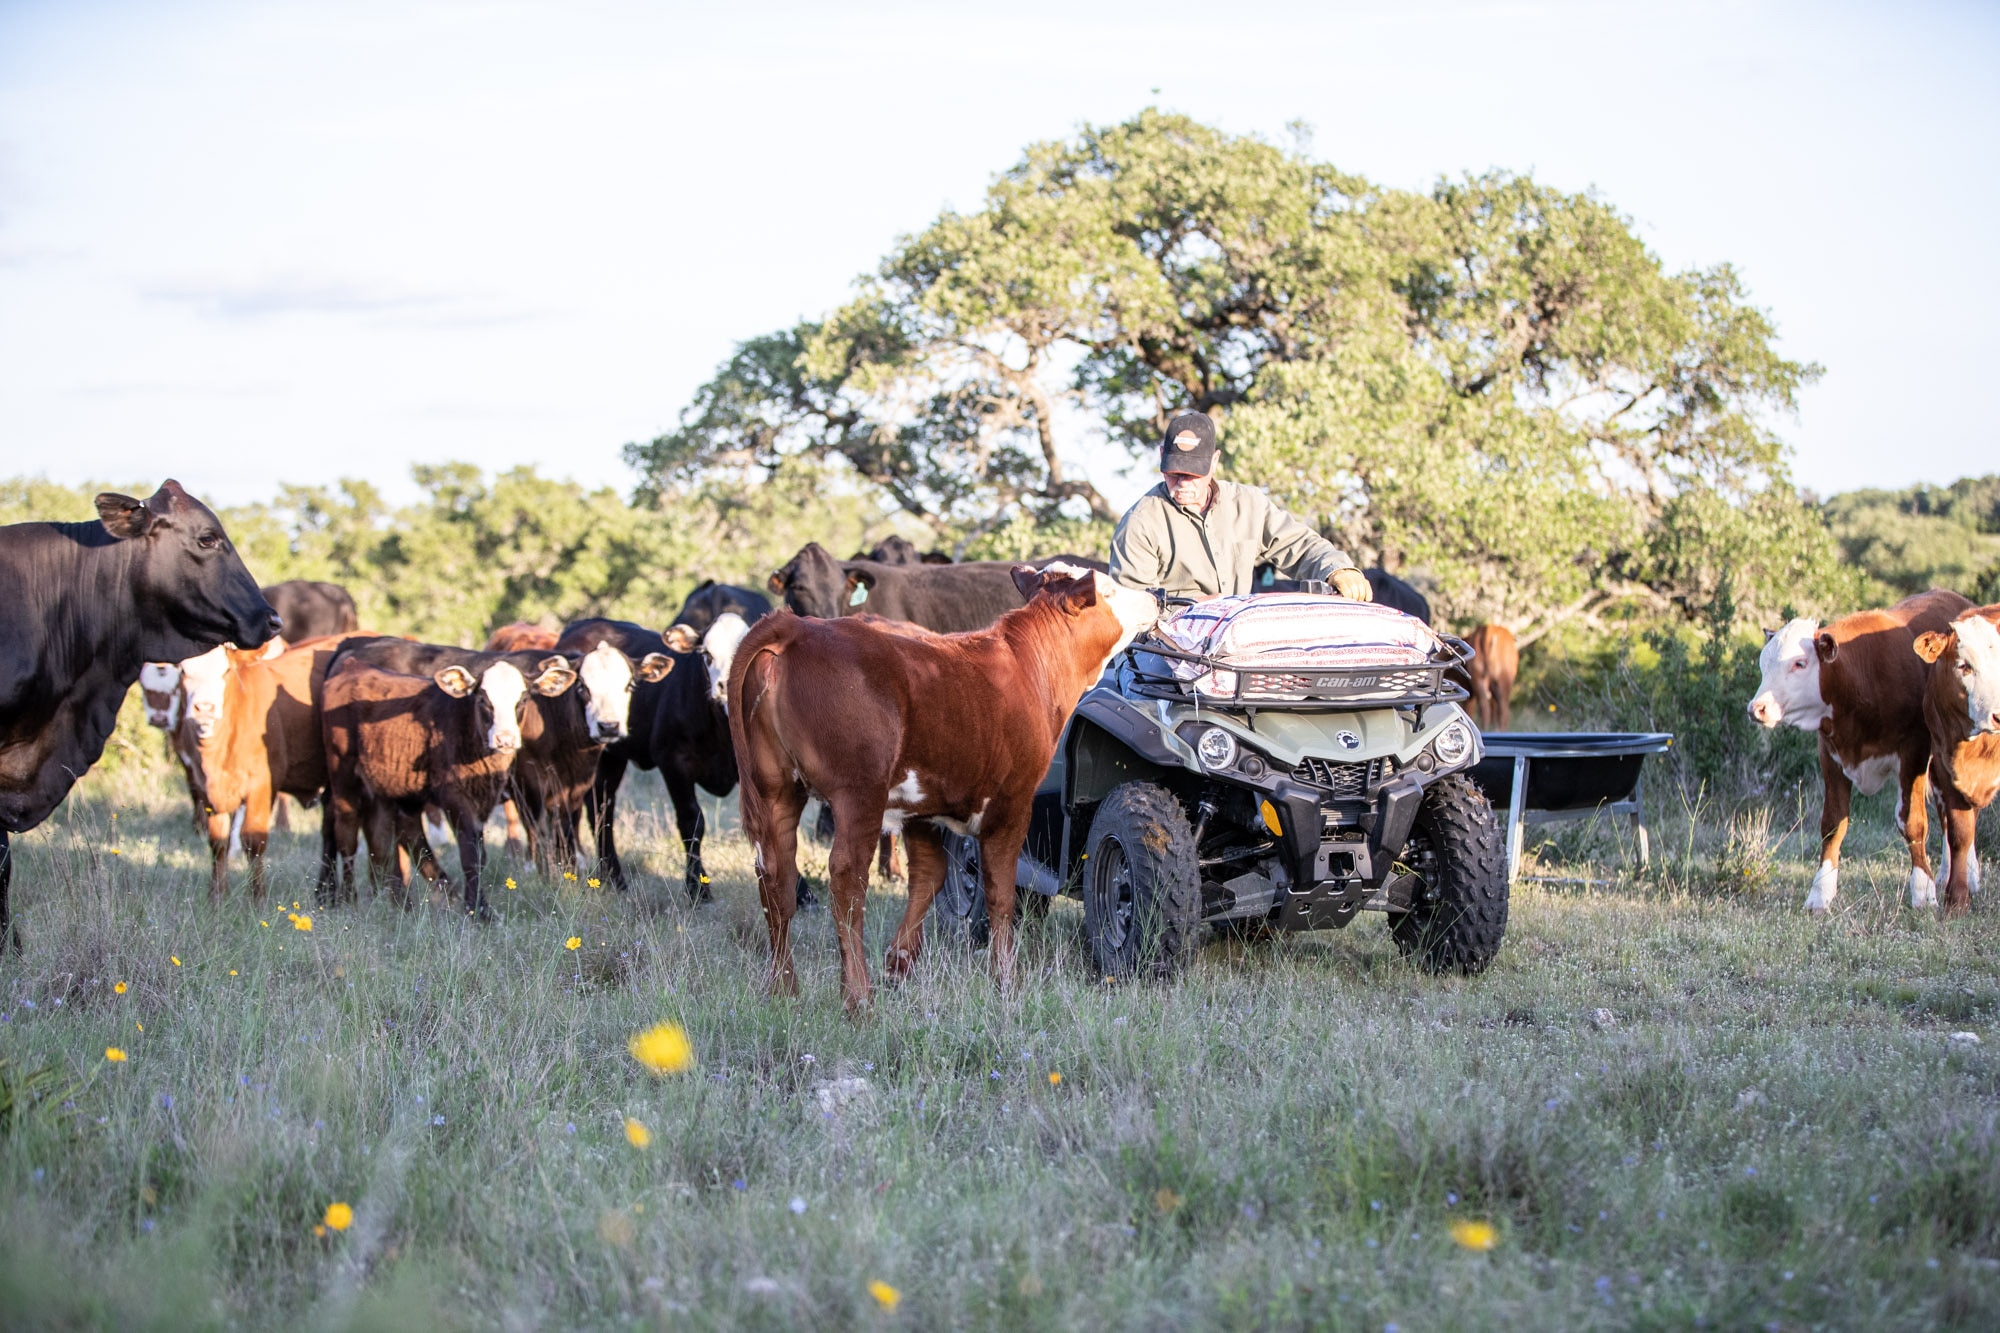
x=1927 y=536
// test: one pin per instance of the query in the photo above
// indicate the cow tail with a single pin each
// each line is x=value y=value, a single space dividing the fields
x=748 y=691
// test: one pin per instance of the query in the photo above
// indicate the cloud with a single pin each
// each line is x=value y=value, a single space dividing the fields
x=280 y=295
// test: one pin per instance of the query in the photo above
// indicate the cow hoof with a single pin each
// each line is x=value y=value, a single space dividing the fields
x=897 y=964
x=1922 y=890
x=698 y=890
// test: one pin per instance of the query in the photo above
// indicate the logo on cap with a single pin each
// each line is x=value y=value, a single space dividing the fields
x=1187 y=439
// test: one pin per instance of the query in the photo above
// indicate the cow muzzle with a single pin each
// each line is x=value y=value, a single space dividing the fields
x=606 y=732
x=1765 y=712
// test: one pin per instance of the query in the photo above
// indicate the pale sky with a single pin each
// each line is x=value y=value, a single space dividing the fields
x=243 y=244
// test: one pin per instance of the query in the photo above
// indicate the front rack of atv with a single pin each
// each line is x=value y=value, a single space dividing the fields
x=1349 y=685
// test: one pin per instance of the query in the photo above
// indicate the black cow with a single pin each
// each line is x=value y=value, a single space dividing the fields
x=678 y=727
x=894 y=550
x=311 y=609
x=947 y=598
x=89 y=604
x=1388 y=590
x=711 y=599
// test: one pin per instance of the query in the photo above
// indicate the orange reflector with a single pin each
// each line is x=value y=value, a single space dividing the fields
x=1270 y=813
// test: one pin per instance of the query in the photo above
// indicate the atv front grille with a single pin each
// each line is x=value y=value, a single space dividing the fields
x=1344 y=782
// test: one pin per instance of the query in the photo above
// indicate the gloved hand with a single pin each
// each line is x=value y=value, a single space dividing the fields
x=1353 y=584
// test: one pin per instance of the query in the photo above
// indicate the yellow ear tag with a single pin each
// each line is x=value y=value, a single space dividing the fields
x=859 y=595
x=1270 y=813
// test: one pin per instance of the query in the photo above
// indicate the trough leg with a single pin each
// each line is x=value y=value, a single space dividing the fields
x=927 y=865
x=1517 y=812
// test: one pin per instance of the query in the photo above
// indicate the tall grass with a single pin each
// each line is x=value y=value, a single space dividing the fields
x=1771 y=1127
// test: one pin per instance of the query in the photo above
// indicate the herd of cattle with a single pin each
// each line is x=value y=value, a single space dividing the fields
x=388 y=734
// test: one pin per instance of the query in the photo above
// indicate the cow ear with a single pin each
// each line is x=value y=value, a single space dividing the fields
x=1769 y=635
x=1931 y=646
x=455 y=681
x=681 y=638
x=1824 y=645
x=859 y=584
x=1080 y=596
x=776 y=583
x=1027 y=580
x=124 y=517
x=655 y=666
x=556 y=676
x=705 y=583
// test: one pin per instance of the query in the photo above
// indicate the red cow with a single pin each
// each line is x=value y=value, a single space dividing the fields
x=1962 y=711
x=1860 y=685
x=902 y=730
x=1493 y=672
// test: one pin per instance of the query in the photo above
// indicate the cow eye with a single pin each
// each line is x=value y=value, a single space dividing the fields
x=208 y=541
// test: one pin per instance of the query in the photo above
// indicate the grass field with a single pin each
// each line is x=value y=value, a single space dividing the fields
x=1772 y=1130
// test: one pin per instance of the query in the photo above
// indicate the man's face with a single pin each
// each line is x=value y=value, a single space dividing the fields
x=1189 y=490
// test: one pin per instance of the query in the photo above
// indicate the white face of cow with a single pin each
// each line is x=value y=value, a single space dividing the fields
x=718 y=650
x=504 y=688
x=1790 y=689
x=1979 y=670
x=203 y=679
x=160 y=690
x=1136 y=611
x=607 y=681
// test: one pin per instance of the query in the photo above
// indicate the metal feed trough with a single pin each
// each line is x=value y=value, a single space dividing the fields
x=1540 y=777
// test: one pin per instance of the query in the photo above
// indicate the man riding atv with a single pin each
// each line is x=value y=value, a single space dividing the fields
x=1195 y=535
x=1261 y=763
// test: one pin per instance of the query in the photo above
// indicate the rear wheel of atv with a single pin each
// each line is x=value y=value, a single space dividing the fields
x=1141 y=884
x=959 y=910
x=1458 y=904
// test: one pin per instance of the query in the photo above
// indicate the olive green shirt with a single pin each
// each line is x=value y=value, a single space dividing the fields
x=1161 y=545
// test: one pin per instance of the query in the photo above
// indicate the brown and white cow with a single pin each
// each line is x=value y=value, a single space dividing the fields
x=902 y=730
x=165 y=701
x=395 y=743
x=1962 y=712
x=1496 y=664
x=1859 y=683
x=520 y=636
x=254 y=717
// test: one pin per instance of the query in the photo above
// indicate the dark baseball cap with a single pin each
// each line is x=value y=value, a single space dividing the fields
x=1189 y=445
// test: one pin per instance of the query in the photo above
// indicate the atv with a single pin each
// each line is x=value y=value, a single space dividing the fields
x=1191 y=792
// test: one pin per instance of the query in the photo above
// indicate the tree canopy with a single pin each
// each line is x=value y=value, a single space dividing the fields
x=1493 y=386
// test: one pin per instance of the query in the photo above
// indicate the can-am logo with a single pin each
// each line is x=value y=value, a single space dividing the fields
x=1348 y=740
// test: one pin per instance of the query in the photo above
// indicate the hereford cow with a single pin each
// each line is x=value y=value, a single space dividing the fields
x=1859 y=683
x=255 y=717
x=1962 y=713
x=313 y=610
x=518 y=637
x=1495 y=664
x=678 y=726
x=165 y=703
x=900 y=730
x=88 y=605
x=396 y=743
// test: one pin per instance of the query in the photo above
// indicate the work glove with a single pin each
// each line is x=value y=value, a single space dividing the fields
x=1353 y=584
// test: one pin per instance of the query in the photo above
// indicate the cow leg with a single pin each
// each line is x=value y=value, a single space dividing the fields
x=379 y=826
x=10 y=938
x=688 y=819
x=602 y=807
x=1960 y=821
x=1833 y=815
x=885 y=858
x=1503 y=692
x=927 y=864
x=1913 y=820
x=517 y=833
x=998 y=853
x=218 y=855
x=281 y=819
x=773 y=825
x=256 y=838
x=470 y=828
x=856 y=829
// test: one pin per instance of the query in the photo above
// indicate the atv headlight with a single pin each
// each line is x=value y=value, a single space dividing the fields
x=1216 y=747
x=1453 y=744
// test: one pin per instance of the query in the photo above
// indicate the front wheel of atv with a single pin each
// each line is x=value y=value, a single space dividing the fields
x=1141 y=884
x=1458 y=903
x=959 y=910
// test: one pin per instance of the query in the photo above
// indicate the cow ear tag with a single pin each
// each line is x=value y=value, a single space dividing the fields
x=859 y=595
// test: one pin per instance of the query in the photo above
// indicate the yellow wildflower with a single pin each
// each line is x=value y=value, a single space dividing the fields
x=319 y=1229
x=885 y=1295
x=114 y=1055
x=594 y=882
x=637 y=1134
x=140 y=1026
x=175 y=961
x=510 y=882
x=232 y=971
x=265 y=924
x=118 y=988
x=339 y=1216
x=663 y=1048
x=573 y=943
x=1055 y=1079
x=1481 y=1236
x=116 y=852
x=570 y=875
